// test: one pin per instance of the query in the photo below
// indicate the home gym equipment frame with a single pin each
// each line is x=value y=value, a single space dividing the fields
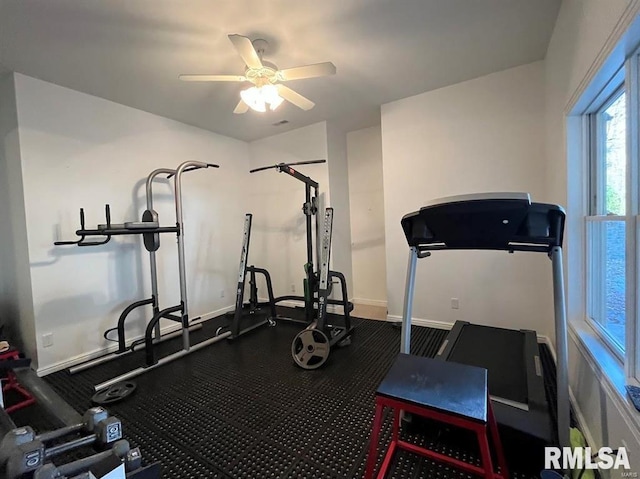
x=310 y=210
x=311 y=347
x=150 y=230
x=505 y=222
x=252 y=309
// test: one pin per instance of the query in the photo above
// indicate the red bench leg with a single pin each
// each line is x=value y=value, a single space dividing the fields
x=12 y=384
x=497 y=443
x=485 y=453
x=482 y=432
x=396 y=424
x=373 y=446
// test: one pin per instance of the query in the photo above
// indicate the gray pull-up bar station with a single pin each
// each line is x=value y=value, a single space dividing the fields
x=150 y=230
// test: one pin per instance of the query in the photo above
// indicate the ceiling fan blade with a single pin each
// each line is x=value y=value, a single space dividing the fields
x=308 y=71
x=212 y=78
x=296 y=98
x=246 y=51
x=241 y=107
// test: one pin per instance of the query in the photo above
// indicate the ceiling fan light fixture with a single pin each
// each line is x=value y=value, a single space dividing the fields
x=268 y=90
x=276 y=101
x=259 y=97
x=253 y=98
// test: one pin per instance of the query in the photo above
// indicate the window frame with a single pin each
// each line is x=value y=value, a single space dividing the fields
x=595 y=186
x=632 y=363
x=597 y=182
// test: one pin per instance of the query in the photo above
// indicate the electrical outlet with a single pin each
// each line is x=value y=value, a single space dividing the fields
x=455 y=303
x=293 y=288
x=47 y=340
x=222 y=293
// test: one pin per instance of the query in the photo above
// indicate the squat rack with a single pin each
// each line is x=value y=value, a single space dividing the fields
x=312 y=266
x=150 y=229
x=309 y=208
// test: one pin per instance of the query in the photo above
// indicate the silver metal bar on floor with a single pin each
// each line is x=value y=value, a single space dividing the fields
x=111 y=356
x=252 y=327
x=139 y=371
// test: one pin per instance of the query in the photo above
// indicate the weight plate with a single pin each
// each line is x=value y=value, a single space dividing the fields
x=310 y=348
x=114 y=393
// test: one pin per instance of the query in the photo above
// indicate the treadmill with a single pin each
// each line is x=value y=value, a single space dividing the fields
x=505 y=222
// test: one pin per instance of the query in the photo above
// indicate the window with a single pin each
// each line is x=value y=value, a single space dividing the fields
x=603 y=193
x=606 y=220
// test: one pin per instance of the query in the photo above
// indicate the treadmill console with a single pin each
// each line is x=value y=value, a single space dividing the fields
x=497 y=221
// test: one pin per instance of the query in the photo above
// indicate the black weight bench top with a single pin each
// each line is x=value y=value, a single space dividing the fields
x=447 y=387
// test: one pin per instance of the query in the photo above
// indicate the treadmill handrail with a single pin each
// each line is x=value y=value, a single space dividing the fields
x=510 y=247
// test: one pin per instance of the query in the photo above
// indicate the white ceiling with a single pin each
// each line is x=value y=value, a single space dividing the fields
x=131 y=52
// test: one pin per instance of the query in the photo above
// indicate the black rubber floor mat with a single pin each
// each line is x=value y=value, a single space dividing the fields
x=242 y=409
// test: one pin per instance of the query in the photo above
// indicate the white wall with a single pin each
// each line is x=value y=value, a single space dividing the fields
x=81 y=151
x=278 y=241
x=8 y=124
x=481 y=135
x=366 y=205
x=584 y=32
x=339 y=188
x=16 y=306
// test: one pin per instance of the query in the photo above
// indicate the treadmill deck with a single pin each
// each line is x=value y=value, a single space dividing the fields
x=501 y=352
x=515 y=378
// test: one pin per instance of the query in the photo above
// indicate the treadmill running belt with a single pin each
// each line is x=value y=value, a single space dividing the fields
x=501 y=352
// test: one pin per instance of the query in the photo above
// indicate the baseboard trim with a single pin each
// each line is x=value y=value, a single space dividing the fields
x=96 y=353
x=331 y=308
x=428 y=323
x=369 y=302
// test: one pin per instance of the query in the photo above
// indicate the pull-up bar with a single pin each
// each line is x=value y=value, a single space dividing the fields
x=286 y=168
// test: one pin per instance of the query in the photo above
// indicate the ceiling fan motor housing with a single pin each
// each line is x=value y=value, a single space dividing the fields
x=262 y=76
x=260 y=46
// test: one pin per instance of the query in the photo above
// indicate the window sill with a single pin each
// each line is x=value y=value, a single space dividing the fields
x=607 y=367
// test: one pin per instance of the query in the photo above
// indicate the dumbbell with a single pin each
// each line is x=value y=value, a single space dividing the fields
x=121 y=449
x=25 y=451
x=24 y=435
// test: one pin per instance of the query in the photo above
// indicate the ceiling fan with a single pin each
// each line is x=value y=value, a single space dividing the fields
x=267 y=90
